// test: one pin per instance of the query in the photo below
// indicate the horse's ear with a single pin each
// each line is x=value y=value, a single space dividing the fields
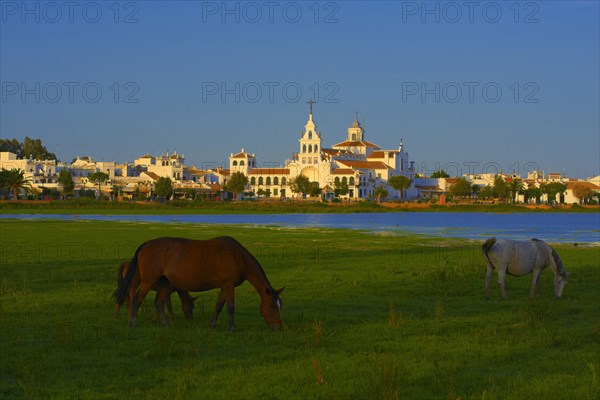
x=280 y=290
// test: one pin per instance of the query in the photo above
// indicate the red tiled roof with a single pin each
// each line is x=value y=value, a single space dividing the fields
x=343 y=171
x=583 y=183
x=364 y=164
x=151 y=175
x=357 y=143
x=381 y=153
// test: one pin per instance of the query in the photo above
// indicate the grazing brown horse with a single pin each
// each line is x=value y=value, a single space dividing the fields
x=199 y=265
x=187 y=301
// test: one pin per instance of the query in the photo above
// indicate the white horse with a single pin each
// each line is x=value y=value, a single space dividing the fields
x=519 y=258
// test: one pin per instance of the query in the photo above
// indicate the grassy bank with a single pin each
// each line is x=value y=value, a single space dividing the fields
x=90 y=206
x=367 y=316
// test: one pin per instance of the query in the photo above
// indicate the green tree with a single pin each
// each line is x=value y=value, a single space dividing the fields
x=486 y=192
x=300 y=184
x=552 y=189
x=516 y=186
x=583 y=192
x=475 y=190
x=189 y=193
x=29 y=148
x=340 y=187
x=98 y=178
x=14 y=180
x=381 y=192
x=315 y=190
x=500 y=187
x=163 y=188
x=533 y=193
x=460 y=188
x=66 y=181
x=440 y=174
x=237 y=184
x=400 y=183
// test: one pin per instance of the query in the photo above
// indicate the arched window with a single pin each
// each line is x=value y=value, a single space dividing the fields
x=352 y=180
x=316 y=148
x=242 y=163
x=304 y=148
x=276 y=181
x=310 y=148
x=253 y=180
x=337 y=180
x=310 y=134
x=354 y=136
x=234 y=163
x=268 y=180
x=260 y=180
x=283 y=181
x=345 y=180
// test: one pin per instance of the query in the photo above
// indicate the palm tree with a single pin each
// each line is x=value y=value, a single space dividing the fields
x=15 y=181
x=516 y=187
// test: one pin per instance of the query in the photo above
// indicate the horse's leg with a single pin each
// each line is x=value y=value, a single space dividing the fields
x=501 y=280
x=230 y=308
x=488 y=279
x=162 y=296
x=187 y=303
x=218 y=308
x=137 y=300
x=169 y=305
x=535 y=283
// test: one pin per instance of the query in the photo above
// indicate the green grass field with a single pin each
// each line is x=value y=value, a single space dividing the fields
x=367 y=317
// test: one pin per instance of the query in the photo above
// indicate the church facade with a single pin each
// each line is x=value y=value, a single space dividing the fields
x=355 y=163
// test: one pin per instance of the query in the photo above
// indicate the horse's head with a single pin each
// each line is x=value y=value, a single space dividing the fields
x=270 y=308
x=560 y=280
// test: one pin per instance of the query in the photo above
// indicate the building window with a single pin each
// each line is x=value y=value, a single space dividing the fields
x=275 y=192
x=304 y=148
x=276 y=181
x=242 y=163
x=354 y=136
x=260 y=180
x=316 y=148
x=310 y=134
x=283 y=181
x=351 y=182
x=345 y=180
x=310 y=148
x=253 y=180
x=268 y=180
x=234 y=163
x=315 y=160
x=337 y=180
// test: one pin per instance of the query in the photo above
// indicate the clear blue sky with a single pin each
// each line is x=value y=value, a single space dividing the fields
x=400 y=64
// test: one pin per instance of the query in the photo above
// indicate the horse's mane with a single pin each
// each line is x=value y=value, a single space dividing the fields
x=260 y=268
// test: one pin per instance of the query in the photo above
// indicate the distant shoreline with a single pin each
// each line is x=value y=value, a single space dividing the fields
x=79 y=206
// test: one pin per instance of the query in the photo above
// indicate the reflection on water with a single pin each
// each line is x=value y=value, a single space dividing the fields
x=552 y=227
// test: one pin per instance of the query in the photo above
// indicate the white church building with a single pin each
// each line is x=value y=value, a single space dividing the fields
x=362 y=165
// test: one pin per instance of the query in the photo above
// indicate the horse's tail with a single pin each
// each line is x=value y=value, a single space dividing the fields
x=487 y=246
x=120 y=278
x=125 y=283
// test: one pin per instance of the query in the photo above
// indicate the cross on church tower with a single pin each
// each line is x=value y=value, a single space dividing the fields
x=310 y=103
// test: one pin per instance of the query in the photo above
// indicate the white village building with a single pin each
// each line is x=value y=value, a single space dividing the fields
x=362 y=165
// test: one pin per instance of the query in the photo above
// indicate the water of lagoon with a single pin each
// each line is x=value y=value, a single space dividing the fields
x=552 y=227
